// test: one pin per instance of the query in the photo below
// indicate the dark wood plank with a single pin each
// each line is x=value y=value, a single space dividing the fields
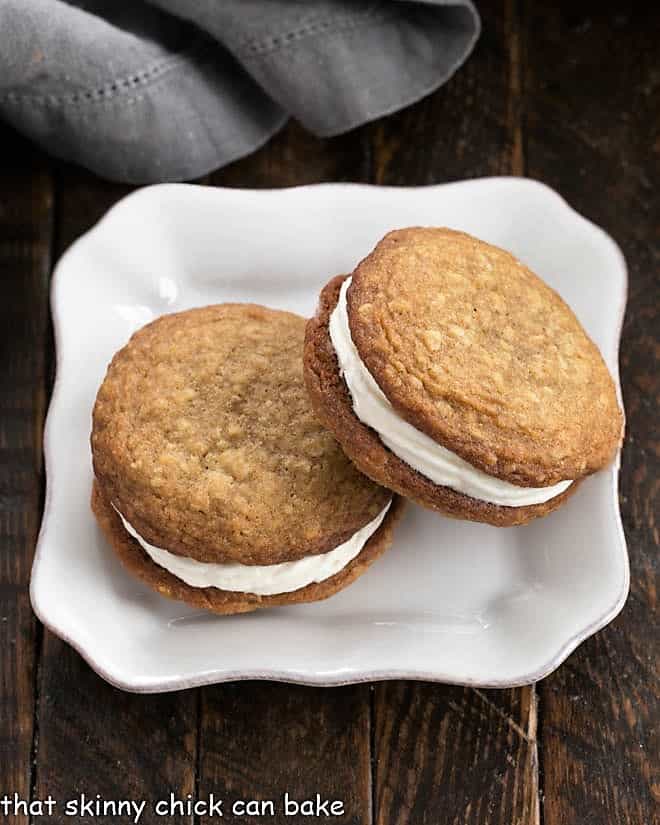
x=262 y=740
x=455 y=755
x=93 y=739
x=26 y=209
x=450 y=754
x=592 y=113
x=294 y=157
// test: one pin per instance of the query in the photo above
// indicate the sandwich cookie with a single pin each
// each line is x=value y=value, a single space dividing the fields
x=214 y=482
x=453 y=375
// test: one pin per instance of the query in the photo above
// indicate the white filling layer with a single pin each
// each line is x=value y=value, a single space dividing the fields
x=260 y=579
x=419 y=451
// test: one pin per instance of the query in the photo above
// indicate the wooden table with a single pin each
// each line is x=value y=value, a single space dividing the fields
x=562 y=95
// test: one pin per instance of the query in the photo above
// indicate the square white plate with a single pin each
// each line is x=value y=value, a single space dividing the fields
x=451 y=601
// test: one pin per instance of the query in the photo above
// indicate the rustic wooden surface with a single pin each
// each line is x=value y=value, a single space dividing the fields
x=567 y=94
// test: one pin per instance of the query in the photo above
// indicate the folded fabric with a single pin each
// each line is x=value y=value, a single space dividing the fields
x=172 y=89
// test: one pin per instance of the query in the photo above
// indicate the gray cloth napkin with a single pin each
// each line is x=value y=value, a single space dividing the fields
x=171 y=89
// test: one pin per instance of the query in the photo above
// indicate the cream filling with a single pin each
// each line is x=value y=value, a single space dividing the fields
x=416 y=448
x=260 y=579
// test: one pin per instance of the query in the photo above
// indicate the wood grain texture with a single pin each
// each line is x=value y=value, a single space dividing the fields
x=592 y=133
x=93 y=739
x=447 y=754
x=26 y=217
x=295 y=158
x=261 y=740
x=455 y=755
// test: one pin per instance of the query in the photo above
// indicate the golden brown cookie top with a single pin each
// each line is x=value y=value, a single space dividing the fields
x=479 y=353
x=204 y=439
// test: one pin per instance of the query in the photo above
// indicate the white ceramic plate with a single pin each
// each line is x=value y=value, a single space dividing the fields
x=451 y=601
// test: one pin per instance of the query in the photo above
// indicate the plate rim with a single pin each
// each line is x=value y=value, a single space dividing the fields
x=147 y=685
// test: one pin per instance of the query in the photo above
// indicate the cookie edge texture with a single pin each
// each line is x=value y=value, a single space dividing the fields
x=332 y=404
x=225 y=602
x=144 y=509
x=512 y=465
